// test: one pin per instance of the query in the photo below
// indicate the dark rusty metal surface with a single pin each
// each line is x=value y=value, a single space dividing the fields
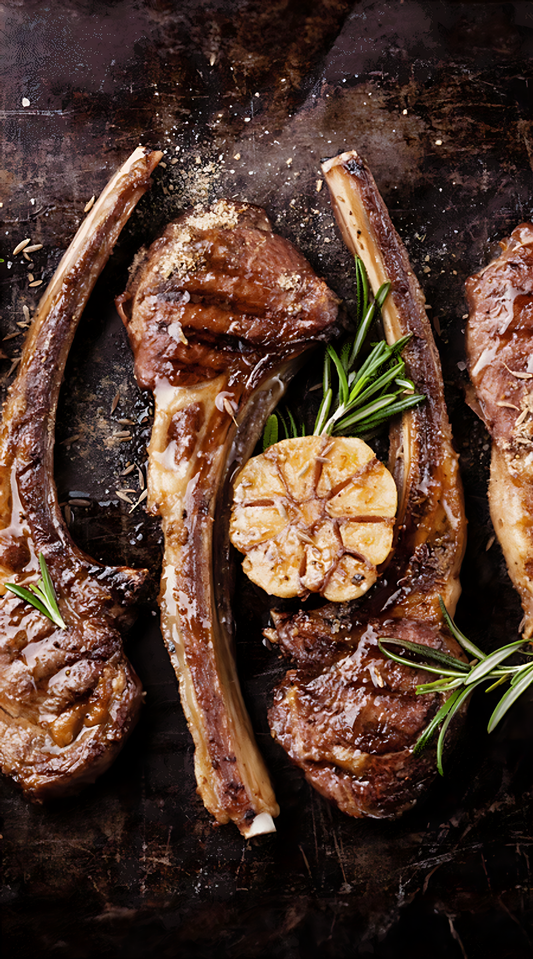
x=245 y=97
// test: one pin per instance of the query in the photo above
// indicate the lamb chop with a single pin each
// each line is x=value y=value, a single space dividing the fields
x=347 y=715
x=68 y=696
x=498 y=342
x=220 y=312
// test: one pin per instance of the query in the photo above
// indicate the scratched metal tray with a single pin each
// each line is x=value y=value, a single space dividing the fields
x=246 y=97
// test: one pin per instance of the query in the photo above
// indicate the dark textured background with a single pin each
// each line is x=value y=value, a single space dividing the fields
x=437 y=97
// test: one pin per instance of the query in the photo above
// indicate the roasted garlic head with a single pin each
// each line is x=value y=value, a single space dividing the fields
x=314 y=514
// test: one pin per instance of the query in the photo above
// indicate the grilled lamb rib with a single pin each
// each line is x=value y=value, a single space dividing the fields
x=347 y=715
x=498 y=341
x=68 y=697
x=219 y=314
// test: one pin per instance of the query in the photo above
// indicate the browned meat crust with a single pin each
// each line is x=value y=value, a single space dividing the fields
x=499 y=341
x=346 y=715
x=219 y=313
x=68 y=698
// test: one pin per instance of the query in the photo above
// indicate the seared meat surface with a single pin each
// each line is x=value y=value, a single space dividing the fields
x=68 y=697
x=347 y=715
x=500 y=362
x=219 y=313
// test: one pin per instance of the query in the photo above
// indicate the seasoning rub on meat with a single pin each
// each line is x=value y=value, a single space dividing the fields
x=499 y=340
x=219 y=313
x=347 y=715
x=68 y=696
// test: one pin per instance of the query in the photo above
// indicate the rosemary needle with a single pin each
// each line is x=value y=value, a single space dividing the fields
x=41 y=595
x=460 y=678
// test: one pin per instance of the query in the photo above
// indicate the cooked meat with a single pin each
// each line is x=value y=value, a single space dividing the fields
x=347 y=715
x=68 y=697
x=219 y=313
x=499 y=339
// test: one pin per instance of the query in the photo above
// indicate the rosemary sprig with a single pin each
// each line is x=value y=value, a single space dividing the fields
x=41 y=595
x=356 y=400
x=365 y=396
x=460 y=678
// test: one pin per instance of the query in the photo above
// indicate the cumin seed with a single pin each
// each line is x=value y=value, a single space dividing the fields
x=519 y=376
x=36 y=283
x=88 y=206
x=304 y=538
x=229 y=409
x=114 y=404
x=21 y=246
x=141 y=499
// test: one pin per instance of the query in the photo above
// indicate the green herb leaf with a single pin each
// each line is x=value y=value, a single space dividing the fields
x=494 y=659
x=519 y=686
x=456 y=699
x=293 y=429
x=431 y=729
x=343 y=382
x=428 y=652
x=466 y=644
x=41 y=595
x=271 y=432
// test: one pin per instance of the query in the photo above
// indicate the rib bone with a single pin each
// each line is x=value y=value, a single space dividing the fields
x=219 y=315
x=68 y=698
x=347 y=715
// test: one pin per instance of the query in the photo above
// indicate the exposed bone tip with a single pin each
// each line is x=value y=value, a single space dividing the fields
x=338 y=160
x=262 y=824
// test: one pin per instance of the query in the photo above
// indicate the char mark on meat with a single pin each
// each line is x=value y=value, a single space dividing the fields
x=347 y=715
x=219 y=314
x=68 y=697
x=499 y=339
